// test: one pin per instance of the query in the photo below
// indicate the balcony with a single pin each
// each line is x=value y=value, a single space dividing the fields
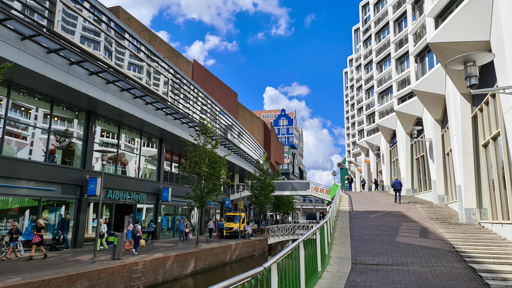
x=367 y=55
x=398 y=4
x=368 y=80
x=381 y=49
x=386 y=112
x=403 y=83
x=385 y=79
x=372 y=132
x=369 y=106
x=381 y=18
x=419 y=34
x=401 y=43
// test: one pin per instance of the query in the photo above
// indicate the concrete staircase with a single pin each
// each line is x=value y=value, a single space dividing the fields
x=484 y=250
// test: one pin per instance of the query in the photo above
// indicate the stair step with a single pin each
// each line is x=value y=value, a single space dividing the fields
x=486 y=254
x=496 y=276
x=480 y=248
x=499 y=284
x=488 y=261
x=482 y=243
x=492 y=268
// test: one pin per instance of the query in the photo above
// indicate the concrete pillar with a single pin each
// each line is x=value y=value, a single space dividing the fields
x=385 y=160
x=459 y=110
x=434 y=148
x=404 y=158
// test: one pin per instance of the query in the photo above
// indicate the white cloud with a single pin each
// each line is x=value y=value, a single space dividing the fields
x=295 y=89
x=199 y=50
x=217 y=13
x=257 y=36
x=321 y=152
x=166 y=36
x=309 y=19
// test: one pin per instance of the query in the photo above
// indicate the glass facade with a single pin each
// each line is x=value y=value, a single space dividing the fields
x=420 y=166
x=26 y=210
x=449 y=175
x=39 y=129
x=492 y=161
x=133 y=153
x=395 y=165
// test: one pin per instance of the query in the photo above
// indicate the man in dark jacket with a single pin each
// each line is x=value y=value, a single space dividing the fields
x=397 y=187
x=64 y=230
x=350 y=180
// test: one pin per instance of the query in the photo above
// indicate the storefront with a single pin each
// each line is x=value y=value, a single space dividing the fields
x=120 y=206
x=25 y=201
x=171 y=213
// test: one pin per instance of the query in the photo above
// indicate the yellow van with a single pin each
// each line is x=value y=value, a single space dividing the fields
x=233 y=225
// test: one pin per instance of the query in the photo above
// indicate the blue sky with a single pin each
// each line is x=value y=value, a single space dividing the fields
x=274 y=54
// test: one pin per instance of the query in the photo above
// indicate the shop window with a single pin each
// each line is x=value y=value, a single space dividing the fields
x=492 y=159
x=25 y=211
x=420 y=166
x=395 y=165
x=133 y=153
x=53 y=211
x=449 y=175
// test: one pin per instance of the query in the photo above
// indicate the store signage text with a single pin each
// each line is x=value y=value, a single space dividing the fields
x=126 y=196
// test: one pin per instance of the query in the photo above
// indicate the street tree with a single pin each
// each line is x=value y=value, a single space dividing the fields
x=205 y=171
x=261 y=188
x=283 y=205
x=3 y=68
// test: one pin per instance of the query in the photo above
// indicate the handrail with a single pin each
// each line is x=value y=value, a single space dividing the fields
x=239 y=279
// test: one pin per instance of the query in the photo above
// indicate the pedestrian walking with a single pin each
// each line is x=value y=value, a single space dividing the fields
x=136 y=235
x=151 y=231
x=128 y=245
x=211 y=227
x=64 y=230
x=363 y=183
x=102 y=237
x=109 y=224
x=220 y=226
x=397 y=187
x=38 y=240
x=350 y=180
x=248 y=232
x=187 y=228
x=376 y=184
x=14 y=234
x=181 y=231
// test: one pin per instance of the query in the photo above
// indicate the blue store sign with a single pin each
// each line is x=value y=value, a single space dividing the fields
x=227 y=203
x=93 y=187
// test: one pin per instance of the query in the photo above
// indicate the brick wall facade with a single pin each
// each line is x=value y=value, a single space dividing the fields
x=151 y=271
x=217 y=89
x=253 y=124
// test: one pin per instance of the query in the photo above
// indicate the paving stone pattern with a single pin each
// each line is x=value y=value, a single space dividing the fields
x=394 y=245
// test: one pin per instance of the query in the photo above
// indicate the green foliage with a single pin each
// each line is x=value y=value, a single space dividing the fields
x=262 y=186
x=283 y=205
x=205 y=171
x=3 y=68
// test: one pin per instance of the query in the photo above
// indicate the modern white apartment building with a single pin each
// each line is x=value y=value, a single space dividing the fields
x=413 y=112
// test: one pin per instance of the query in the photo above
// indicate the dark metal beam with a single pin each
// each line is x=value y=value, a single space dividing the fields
x=29 y=37
x=127 y=89
x=77 y=62
x=97 y=72
x=114 y=81
x=55 y=50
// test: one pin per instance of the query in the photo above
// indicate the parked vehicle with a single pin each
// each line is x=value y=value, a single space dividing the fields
x=233 y=225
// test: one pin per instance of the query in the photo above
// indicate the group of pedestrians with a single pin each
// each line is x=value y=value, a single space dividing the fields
x=396 y=185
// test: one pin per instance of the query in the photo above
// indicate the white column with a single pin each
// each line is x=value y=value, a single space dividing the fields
x=318 y=251
x=385 y=160
x=459 y=109
x=434 y=147
x=404 y=158
x=302 y=259
x=274 y=277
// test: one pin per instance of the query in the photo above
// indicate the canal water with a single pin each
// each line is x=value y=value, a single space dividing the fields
x=217 y=274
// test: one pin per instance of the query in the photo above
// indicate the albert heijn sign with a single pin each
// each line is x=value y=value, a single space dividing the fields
x=126 y=196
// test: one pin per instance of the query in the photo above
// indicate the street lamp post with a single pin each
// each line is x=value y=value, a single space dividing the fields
x=239 y=212
x=104 y=154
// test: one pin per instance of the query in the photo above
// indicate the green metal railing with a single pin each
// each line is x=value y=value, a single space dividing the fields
x=299 y=265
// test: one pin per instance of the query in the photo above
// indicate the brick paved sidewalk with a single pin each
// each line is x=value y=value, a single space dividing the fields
x=70 y=262
x=394 y=245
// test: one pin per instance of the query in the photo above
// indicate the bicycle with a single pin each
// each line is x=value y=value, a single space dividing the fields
x=5 y=246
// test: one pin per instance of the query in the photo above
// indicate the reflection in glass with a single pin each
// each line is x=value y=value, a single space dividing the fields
x=23 y=141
